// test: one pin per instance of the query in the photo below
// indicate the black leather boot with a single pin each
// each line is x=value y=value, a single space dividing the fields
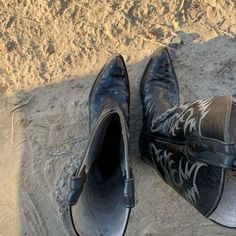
x=102 y=189
x=192 y=145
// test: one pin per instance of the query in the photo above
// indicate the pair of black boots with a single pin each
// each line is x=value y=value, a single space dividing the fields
x=192 y=147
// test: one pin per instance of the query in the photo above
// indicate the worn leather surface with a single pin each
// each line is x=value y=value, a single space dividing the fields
x=159 y=88
x=110 y=90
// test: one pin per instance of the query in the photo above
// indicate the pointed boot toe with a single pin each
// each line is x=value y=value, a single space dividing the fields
x=110 y=89
x=159 y=91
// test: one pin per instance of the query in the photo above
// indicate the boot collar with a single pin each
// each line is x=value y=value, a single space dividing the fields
x=79 y=177
x=96 y=127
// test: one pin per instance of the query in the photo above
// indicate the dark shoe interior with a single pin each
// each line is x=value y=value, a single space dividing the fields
x=225 y=212
x=100 y=209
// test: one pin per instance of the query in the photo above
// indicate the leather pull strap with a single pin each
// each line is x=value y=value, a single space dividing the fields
x=76 y=187
x=129 y=196
x=212 y=152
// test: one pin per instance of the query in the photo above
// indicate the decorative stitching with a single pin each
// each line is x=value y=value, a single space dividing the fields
x=176 y=177
x=183 y=114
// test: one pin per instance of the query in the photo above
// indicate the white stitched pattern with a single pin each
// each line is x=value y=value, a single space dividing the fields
x=188 y=116
x=176 y=176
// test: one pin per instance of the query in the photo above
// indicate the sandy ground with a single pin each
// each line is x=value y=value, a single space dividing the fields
x=50 y=54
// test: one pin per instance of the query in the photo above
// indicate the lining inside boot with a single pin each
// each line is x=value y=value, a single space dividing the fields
x=101 y=209
x=225 y=212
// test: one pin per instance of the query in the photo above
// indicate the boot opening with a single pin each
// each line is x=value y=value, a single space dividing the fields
x=225 y=212
x=108 y=162
x=100 y=209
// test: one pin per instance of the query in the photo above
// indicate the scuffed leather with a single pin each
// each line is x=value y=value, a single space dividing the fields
x=159 y=87
x=110 y=90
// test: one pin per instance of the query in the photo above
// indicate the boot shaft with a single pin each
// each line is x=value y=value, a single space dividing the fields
x=192 y=146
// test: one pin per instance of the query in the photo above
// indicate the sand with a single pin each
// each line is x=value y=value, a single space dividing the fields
x=50 y=54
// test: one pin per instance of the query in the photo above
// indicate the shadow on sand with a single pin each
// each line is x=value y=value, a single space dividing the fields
x=43 y=140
